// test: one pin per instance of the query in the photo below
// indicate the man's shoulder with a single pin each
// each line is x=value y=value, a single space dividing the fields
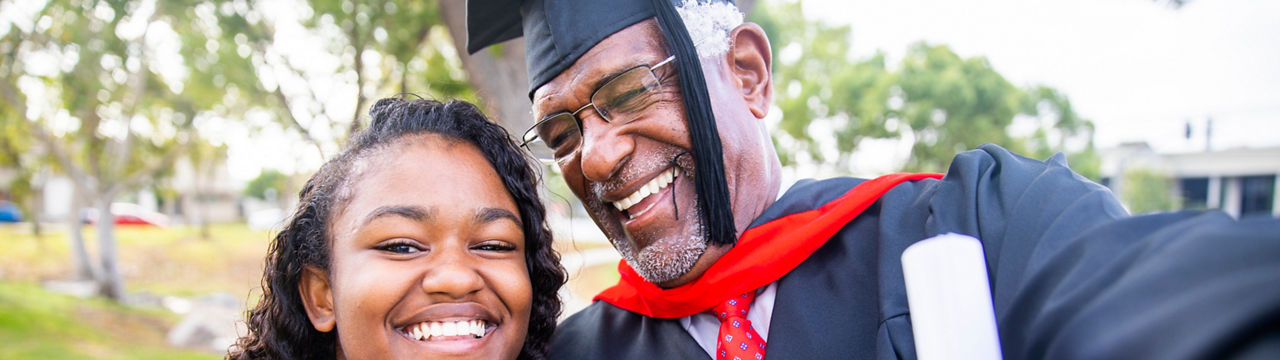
x=602 y=331
x=805 y=195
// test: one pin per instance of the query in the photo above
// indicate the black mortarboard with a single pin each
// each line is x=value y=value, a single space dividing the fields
x=558 y=32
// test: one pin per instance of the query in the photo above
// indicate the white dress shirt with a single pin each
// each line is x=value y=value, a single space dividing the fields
x=704 y=327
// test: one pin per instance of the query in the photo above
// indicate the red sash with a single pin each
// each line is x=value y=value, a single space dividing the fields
x=762 y=255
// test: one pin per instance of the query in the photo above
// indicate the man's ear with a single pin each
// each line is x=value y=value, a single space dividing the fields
x=751 y=60
x=317 y=298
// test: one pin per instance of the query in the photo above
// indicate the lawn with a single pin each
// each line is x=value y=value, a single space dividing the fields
x=38 y=324
x=168 y=261
x=174 y=261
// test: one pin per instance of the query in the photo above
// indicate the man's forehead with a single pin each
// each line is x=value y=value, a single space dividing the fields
x=637 y=44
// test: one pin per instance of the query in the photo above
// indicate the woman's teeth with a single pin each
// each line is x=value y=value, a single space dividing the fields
x=658 y=183
x=431 y=329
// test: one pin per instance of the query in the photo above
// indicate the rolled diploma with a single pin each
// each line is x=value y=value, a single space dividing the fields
x=950 y=299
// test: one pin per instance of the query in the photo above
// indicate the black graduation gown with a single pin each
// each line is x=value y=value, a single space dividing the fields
x=1072 y=275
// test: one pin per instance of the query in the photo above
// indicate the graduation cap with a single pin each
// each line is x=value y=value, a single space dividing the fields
x=558 y=32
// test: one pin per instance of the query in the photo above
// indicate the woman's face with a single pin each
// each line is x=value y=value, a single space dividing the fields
x=427 y=259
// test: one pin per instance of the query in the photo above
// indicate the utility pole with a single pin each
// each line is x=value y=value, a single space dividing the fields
x=1208 y=134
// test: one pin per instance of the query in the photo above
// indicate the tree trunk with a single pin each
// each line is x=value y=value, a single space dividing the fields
x=200 y=196
x=37 y=208
x=197 y=206
x=502 y=82
x=75 y=234
x=110 y=284
x=359 y=45
x=205 y=234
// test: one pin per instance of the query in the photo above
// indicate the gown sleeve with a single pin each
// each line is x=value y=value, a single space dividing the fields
x=1073 y=276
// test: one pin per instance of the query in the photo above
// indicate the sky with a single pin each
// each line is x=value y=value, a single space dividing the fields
x=1139 y=69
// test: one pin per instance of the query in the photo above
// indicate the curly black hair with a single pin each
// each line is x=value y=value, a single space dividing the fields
x=278 y=326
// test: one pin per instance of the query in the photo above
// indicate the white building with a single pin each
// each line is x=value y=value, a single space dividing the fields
x=1240 y=182
x=212 y=197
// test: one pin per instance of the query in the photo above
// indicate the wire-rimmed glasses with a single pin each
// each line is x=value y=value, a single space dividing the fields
x=618 y=101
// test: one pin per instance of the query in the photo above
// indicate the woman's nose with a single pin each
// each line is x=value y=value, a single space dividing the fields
x=453 y=275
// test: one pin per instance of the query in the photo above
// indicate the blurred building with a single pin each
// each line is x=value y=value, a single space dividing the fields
x=185 y=197
x=202 y=193
x=1240 y=182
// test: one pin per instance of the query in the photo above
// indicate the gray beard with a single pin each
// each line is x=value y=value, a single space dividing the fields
x=668 y=258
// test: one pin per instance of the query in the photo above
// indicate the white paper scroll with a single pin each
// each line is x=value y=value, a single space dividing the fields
x=950 y=299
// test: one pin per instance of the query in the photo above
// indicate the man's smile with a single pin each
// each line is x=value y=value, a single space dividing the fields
x=644 y=193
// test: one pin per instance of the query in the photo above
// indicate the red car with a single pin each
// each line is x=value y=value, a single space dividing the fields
x=130 y=214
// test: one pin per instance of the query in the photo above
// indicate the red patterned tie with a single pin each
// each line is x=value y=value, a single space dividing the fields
x=737 y=339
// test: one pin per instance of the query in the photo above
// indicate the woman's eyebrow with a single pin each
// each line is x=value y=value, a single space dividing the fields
x=490 y=214
x=416 y=213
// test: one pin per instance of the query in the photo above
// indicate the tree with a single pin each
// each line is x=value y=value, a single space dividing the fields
x=939 y=101
x=498 y=74
x=815 y=80
x=953 y=104
x=268 y=182
x=204 y=158
x=19 y=153
x=361 y=49
x=109 y=90
x=1147 y=191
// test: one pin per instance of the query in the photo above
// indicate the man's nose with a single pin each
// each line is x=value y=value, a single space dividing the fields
x=604 y=149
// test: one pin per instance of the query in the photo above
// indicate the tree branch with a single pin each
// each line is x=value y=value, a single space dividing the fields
x=276 y=65
x=140 y=177
x=358 y=44
x=64 y=158
x=137 y=84
x=293 y=120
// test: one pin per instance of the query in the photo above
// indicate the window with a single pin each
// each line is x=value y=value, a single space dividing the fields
x=1257 y=195
x=1195 y=192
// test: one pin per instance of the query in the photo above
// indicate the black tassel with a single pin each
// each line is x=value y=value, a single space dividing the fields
x=675 y=166
x=709 y=181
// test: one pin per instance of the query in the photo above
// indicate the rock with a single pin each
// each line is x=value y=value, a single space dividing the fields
x=213 y=323
x=77 y=288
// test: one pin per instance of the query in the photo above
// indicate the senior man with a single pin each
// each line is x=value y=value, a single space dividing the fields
x=652 y=111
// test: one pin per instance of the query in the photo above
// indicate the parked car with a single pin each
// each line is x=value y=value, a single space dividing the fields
x=129 y=214
x=9 y=212
x=266 y=219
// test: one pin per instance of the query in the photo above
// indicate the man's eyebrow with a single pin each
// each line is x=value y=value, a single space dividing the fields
x=412 y=212
x=613 y=74
x=488 y=215
x=594 y=85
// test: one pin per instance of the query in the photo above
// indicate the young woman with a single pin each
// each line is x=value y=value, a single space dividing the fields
x=425 y=238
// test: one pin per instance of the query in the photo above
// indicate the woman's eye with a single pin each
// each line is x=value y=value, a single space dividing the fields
x=399 y=248
x=494 y=246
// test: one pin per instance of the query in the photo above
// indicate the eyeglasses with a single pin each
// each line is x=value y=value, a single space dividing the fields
x=619 y=101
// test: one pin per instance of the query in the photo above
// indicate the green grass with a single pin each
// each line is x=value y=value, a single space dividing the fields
x=169 y=261
x=37 y=324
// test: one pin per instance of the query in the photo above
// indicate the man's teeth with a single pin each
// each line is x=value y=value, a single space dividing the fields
x=658 y=183
x=430 y=329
